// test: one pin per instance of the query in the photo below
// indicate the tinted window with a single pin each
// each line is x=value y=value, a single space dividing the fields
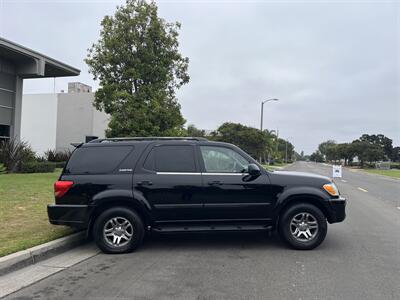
x=96 y=160
x=149 y=163
x=172 y=159
x=224 y=160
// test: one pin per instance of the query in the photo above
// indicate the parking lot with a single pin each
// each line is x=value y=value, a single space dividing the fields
x=358 y=260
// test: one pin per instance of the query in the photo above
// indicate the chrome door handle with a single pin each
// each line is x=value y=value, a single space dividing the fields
x=216 y=182
x=144 y=182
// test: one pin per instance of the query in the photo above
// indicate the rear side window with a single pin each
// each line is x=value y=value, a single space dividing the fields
x=96 y=160
x=171 y=159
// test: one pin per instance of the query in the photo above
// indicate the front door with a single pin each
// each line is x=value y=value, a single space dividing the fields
x=169 y=179
x=229 y=192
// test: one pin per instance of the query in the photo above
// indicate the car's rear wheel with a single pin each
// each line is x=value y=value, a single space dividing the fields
x=303 y=226
x=118 y=230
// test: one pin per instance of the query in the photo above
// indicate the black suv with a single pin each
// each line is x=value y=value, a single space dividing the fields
x=120 y=188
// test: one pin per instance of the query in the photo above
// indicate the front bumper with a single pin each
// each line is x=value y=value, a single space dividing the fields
x=338 y=209
x=69 y=215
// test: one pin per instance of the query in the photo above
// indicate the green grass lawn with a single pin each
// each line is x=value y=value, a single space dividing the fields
x=23 y=212
x=392 y=172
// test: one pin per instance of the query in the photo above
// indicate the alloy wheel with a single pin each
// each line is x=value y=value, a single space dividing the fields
x=118 y=231
x=304 y=227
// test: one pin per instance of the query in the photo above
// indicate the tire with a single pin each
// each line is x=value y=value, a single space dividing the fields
x=118 y=230
x=303 y=226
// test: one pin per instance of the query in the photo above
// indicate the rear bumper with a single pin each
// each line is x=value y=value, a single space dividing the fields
x=69 y=215
x=338 y=209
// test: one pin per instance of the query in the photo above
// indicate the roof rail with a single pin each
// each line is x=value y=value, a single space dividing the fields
x=151 y=138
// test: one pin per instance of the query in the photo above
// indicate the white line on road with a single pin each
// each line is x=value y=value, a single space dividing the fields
x=363 y=190
x=344 y=180
x=398 y=207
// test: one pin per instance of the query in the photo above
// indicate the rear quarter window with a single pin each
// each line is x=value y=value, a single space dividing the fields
x=96 y=160
x=165 y=158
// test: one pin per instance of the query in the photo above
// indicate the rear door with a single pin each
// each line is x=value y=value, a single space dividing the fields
x=169 y=179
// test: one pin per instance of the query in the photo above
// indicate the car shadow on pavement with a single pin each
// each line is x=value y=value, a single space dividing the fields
x=213 y=241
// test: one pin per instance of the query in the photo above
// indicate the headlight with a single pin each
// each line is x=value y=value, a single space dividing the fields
x=331 y=189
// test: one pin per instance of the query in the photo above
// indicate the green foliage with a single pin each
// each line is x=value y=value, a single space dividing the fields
x=317 y=156
x=139 y=68
x=367 y=152
x=251 y=140
x=325 y=148
x=14 y=152
x=60 y=164
x=57 y=156
x=285 y=150
x=3 y=169
x=193 y=131
x=395 y=154
x=381 y=141
x=37 y=167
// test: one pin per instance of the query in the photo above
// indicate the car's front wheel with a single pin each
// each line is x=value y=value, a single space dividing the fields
x=303 y=226
x=118 y=230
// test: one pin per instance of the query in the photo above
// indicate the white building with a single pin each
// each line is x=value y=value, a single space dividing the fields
x=54 y=121
x=18 y=63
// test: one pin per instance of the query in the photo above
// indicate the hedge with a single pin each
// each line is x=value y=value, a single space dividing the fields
x=37 y=167
x=60 y=164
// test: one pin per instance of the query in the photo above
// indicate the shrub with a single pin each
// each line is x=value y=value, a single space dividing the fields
x=2 y=169
x=14 y=152
x=60 y=164
x=395 y=165
x=37 y=167
x=57 y=156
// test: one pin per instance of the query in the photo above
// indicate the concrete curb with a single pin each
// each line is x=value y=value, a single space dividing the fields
x=32 y=255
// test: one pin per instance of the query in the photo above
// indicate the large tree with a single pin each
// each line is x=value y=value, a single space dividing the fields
x=252 y=140
x=366 y=151
x=193 y=131
x=317 y=156
x=323 y=148
x=139 y=67
x=380 y=140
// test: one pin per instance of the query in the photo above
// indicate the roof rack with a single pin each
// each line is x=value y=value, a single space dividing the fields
x=152 y=138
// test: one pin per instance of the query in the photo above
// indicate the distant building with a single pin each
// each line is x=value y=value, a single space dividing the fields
x=54 y=121
x=16 y=64
x=78 y=87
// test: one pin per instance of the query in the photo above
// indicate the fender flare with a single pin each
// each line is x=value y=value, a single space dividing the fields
x=112 y=198
x=308 y=194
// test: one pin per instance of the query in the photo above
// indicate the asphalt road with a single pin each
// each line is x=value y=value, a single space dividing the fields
x=360 y=259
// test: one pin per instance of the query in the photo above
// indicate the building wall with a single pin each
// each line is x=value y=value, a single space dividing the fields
x=77 y=118
x=79 y=87
x=7 y=97
x=39 y=121
x=54 y=121
x=100 y=123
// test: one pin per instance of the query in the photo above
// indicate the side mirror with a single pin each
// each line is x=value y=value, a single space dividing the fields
x=253 y=170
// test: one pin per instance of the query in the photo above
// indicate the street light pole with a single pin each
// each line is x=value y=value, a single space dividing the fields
x=262 y=111
x=262 y=114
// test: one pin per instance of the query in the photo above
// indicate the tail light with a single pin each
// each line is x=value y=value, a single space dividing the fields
x=61 y=187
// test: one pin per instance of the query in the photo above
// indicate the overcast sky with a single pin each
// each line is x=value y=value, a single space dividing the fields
x=334 y=65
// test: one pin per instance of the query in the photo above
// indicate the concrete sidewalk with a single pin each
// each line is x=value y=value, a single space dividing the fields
x=20 y=259
x=21 y=278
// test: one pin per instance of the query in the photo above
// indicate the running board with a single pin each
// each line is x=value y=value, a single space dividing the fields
x=208 y=228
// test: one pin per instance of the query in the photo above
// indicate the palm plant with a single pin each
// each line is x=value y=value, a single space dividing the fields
x=13 y=152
